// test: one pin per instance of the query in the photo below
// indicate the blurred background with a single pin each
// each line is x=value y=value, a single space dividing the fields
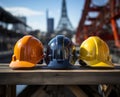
x=76 y=19
x=44 y=19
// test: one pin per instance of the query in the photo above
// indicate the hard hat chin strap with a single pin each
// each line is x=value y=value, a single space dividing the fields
x=13 y=58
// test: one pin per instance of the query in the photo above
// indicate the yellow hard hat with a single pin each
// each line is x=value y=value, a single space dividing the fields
x=28 y=51
x=95 y=53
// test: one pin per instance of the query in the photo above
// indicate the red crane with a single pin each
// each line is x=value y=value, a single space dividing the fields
x=103 y=25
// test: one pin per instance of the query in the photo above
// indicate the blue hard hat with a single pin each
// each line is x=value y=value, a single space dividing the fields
x=60 y=53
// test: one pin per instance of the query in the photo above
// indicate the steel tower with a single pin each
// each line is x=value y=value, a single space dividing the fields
x=64 y=22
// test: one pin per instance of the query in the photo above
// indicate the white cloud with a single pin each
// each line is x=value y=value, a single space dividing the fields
x=33 y=16
x=37 y=25
x=24 y=11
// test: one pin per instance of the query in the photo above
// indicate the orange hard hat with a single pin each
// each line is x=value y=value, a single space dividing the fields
x=28 y=51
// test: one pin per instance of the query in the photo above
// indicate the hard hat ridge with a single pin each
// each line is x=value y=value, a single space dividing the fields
x=95 y=53
x=60 y=53
x=28 y=51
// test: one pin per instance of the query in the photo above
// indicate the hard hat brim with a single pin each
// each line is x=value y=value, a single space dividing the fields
x=54 y=64
x=103 y=65
x=21 y=65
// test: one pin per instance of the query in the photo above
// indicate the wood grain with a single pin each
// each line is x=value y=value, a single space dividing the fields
x=39 y=76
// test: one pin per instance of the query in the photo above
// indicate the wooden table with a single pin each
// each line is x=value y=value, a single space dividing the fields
x=39 y=76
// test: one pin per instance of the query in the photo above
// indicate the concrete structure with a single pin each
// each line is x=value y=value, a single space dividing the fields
x=20 y=27
x=50 y=23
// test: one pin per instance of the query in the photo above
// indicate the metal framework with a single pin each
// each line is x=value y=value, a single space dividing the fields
x=64 y=22
x=103 y=25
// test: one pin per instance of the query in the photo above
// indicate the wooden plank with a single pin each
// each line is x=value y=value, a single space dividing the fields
x=91 y=90
x=39 y=76
x=10 y=90
x=7 y=90
x=77 y=91
x=40 y=93
x=2 y=91
x=28 y=91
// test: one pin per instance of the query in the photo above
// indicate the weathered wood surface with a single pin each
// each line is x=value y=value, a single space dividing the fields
x=40 y=76
x=7 y=90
